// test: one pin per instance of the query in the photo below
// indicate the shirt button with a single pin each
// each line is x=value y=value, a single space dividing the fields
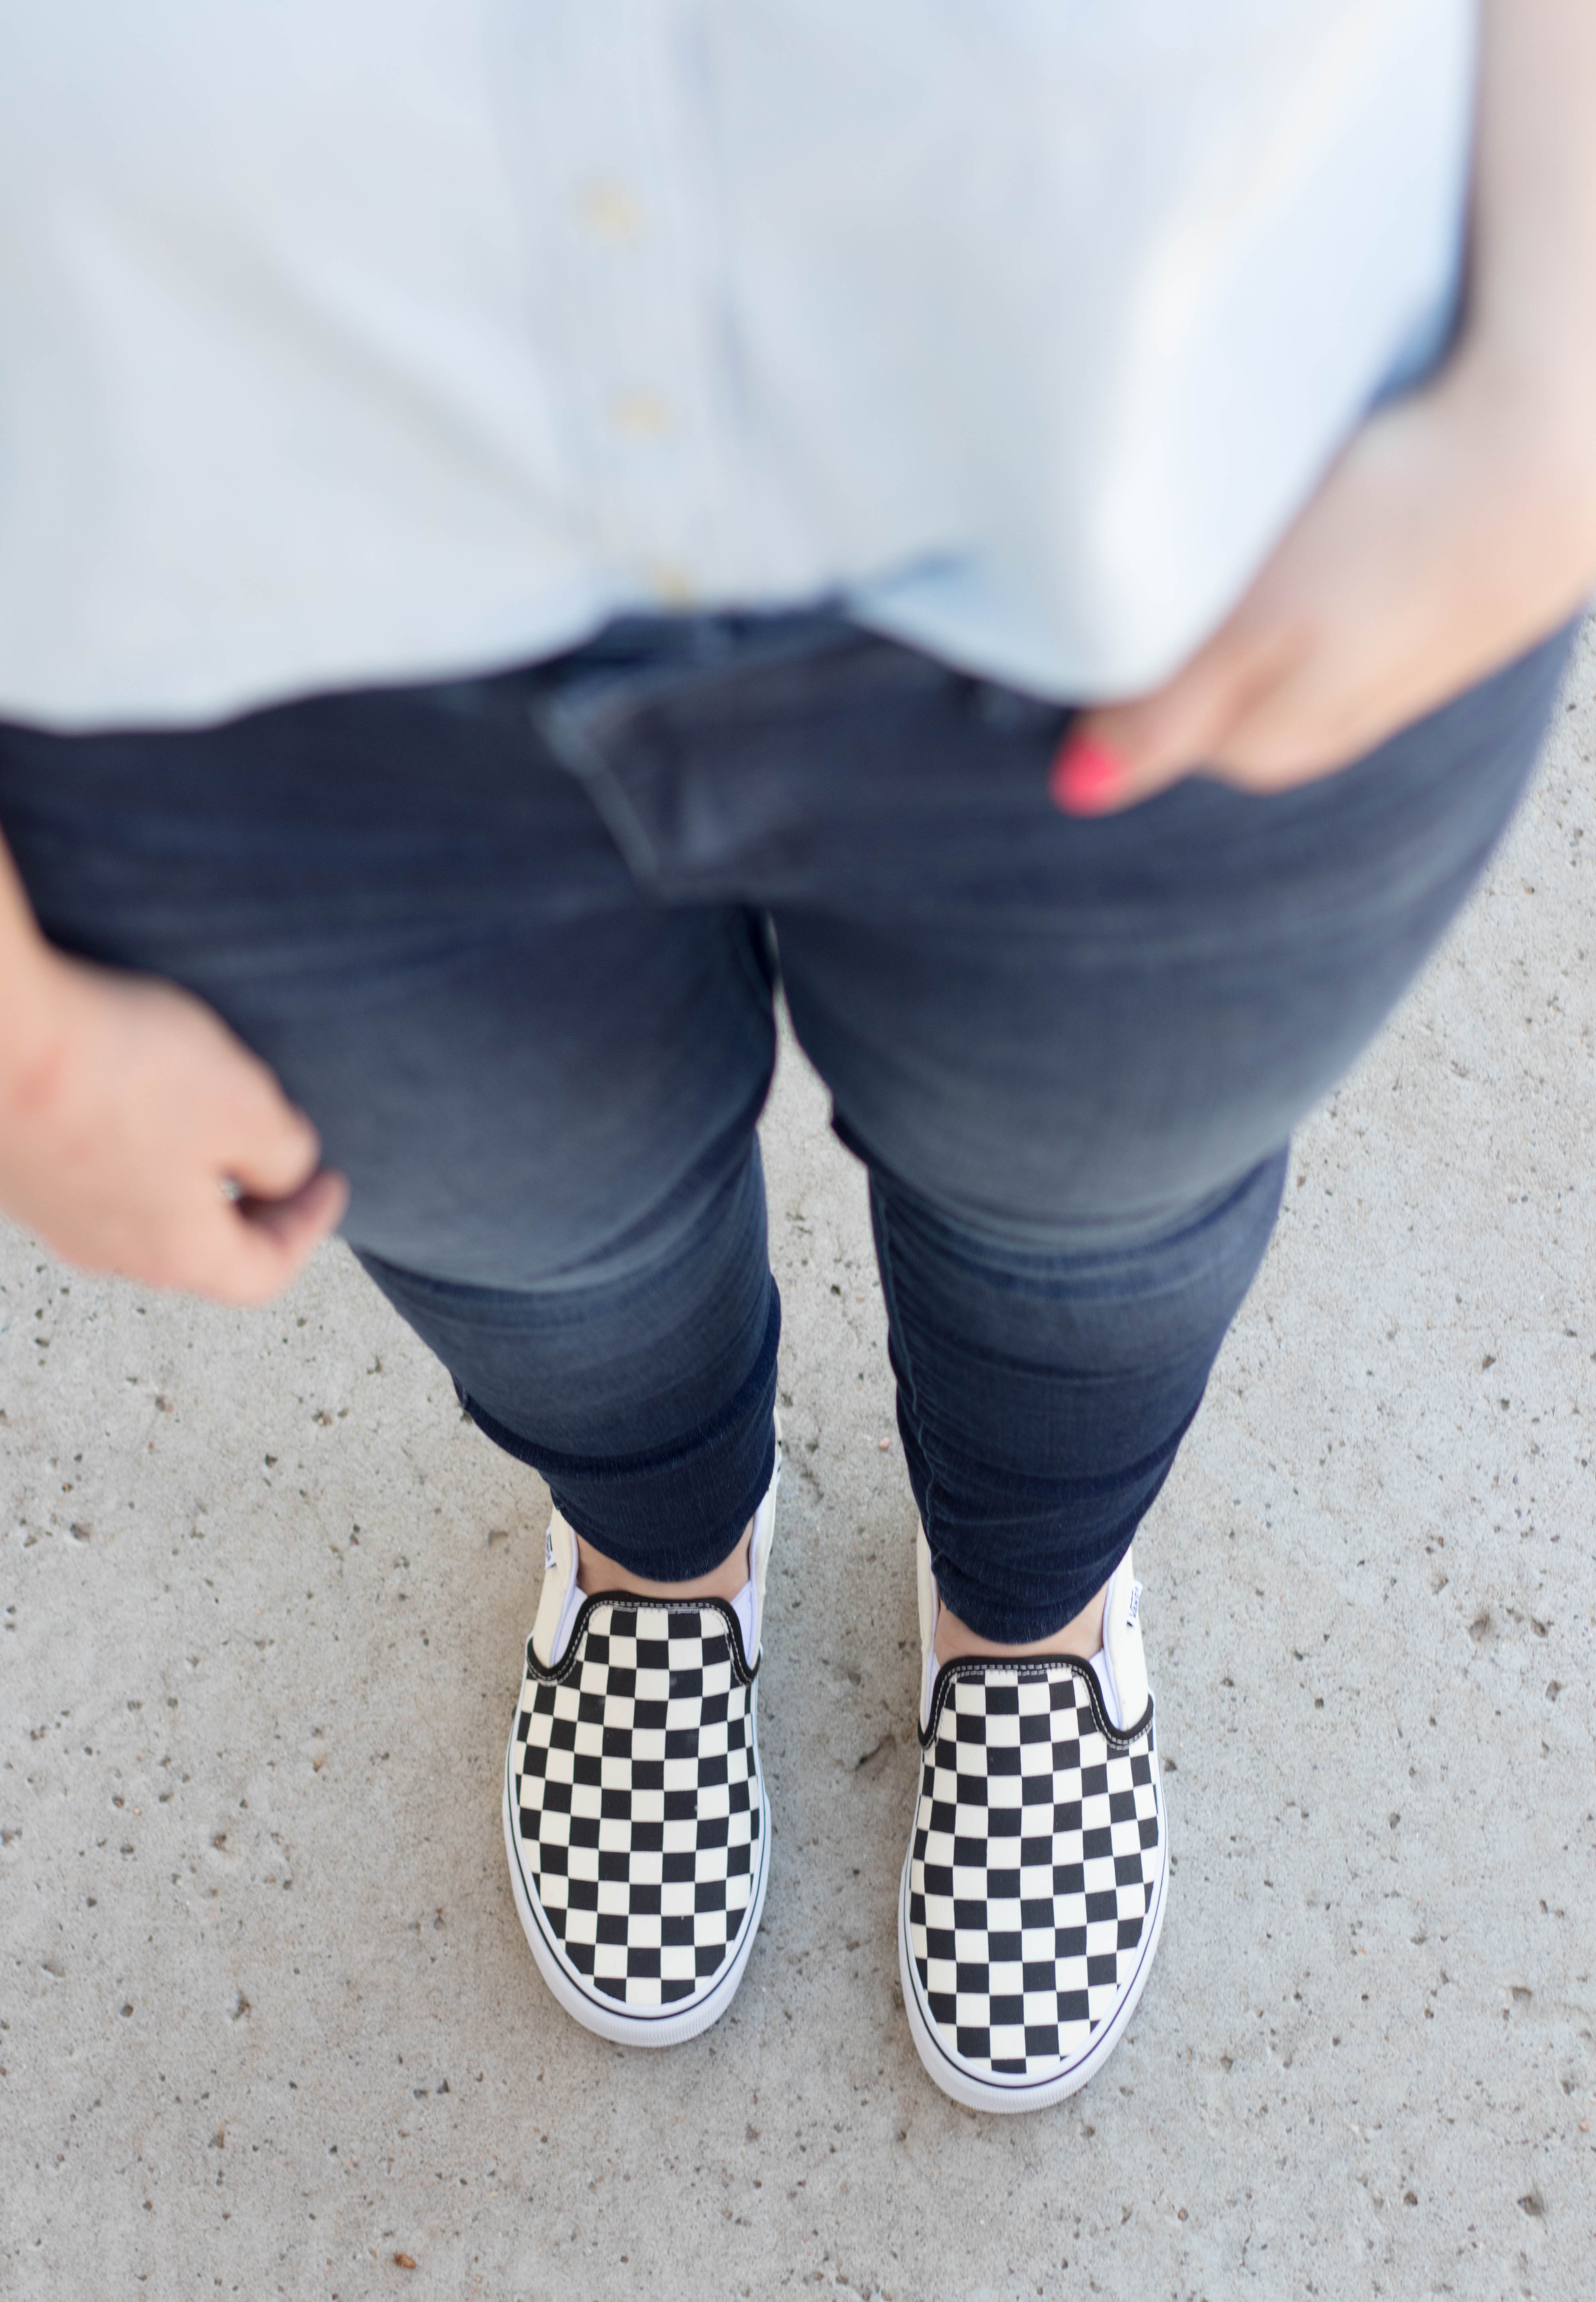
x=609 y=212
x=642 y=415
x=671 y=583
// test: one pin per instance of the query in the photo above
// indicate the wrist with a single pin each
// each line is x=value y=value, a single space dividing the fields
x=1522 y=414
x=33 y=1023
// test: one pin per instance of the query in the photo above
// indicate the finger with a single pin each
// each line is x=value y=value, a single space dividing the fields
x=278 y=1150
x=295 y=1224
x=269 y=1241
x=1123 y=752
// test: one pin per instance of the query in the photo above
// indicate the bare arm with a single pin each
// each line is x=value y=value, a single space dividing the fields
x=1459 y=526
x=1533 y=273
x=127 y=1111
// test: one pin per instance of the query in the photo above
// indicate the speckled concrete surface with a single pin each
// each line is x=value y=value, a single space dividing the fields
x=267 y=2023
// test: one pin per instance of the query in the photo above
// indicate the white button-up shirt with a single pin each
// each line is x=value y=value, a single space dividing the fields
x=350 y=340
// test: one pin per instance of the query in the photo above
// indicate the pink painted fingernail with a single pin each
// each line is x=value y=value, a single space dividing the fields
x=1087 y=776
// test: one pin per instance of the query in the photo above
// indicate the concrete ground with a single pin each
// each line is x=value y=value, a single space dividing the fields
x=267 y=2022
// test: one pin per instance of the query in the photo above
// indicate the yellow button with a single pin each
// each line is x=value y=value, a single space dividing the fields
x=673 y=585
x=609 y=212
x=643 y=415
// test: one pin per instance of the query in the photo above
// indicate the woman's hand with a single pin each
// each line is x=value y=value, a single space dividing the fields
x=138 y=1135
x=1459 y=526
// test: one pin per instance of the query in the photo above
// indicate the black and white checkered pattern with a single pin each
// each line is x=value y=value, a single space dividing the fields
x=637 y=1798
x=1035 y=1864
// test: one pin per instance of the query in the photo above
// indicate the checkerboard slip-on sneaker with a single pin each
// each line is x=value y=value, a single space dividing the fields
x=635 y=1819
x=1034 y=1887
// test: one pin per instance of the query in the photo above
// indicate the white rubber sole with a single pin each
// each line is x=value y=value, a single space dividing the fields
x=997 y=2095
x=671 y=2026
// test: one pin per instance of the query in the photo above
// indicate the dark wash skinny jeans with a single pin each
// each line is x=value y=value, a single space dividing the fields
x=513 y=942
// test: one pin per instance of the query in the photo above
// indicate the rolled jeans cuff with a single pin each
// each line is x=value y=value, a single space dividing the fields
x=674 y=1513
